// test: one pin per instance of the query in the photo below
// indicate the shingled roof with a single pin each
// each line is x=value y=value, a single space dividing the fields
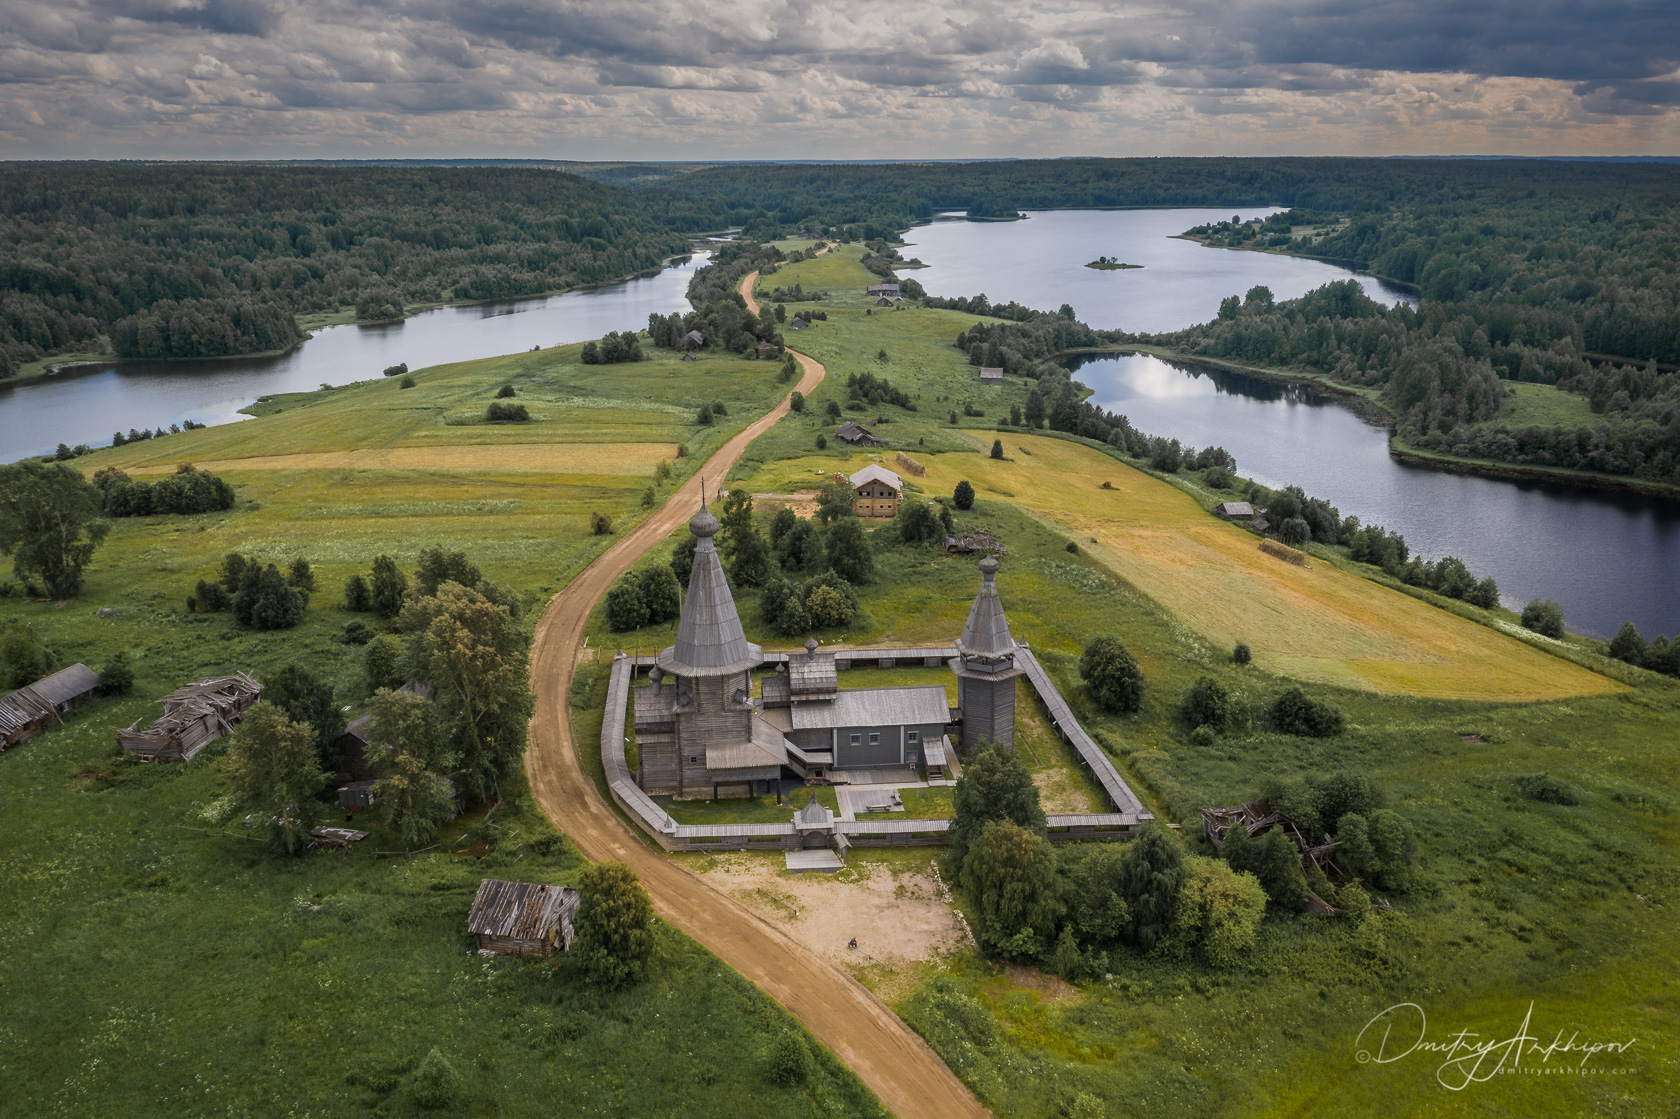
x=710 y=640
x=986 y=636
x=66 y=684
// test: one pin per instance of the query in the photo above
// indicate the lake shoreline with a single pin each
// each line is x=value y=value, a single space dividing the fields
x=1377 y=414
x=52 y=368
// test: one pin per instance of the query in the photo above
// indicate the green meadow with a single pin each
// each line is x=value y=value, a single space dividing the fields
x=158 y=962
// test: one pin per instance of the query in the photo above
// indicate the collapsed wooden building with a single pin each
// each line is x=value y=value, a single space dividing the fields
x=522 y=918
x=34 y=707
x=193 y=717
x=1257 y=818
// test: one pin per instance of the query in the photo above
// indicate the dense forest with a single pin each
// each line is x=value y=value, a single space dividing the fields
x=191 y=260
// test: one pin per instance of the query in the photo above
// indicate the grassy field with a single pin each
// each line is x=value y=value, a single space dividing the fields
x=192 y=974
x=149 y=968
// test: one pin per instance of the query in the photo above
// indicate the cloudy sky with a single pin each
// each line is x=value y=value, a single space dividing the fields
x=659 y=79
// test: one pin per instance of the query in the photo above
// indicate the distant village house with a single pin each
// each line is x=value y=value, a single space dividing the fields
x=991 y=374
x=1235 y=510
x=34 y=707
x=879 y=491
x=888 y=290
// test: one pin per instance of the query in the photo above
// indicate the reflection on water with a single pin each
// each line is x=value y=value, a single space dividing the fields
x=1607 y=556
x=1040 y=262
x=87 y=405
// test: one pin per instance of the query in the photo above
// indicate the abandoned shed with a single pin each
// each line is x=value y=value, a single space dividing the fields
x=855 y=433
x=522 y=918
x=991 y=374
x=34 y=707
x=1235 y=510
x=193 y=717
x=694 y=339
x=889 y=291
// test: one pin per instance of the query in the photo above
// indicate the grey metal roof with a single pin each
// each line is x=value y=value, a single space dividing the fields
x=710 y=641
x=872 y=707
x=987 y=633
x=1235 y=509
x=360 y=728
x=66 y=684
x=875 y=472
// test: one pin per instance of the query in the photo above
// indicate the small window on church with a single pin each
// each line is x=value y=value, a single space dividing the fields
x=857 y=740
x=913 y=737
x=874 y=739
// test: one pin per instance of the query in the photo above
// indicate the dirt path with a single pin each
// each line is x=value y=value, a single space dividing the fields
x=891 y=1059
x=747 y=283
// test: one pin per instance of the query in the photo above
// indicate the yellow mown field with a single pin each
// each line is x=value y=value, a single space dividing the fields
x=1318 y=624
x=509 y=458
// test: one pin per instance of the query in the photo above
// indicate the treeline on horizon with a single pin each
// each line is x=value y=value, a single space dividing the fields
x=197 y=260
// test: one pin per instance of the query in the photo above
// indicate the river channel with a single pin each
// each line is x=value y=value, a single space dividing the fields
x=89 y=403
x=1608 y=557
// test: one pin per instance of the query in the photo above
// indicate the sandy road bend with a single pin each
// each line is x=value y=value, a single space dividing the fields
x=891 y=1059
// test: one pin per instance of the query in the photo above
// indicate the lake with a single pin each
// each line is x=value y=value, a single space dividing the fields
x=1040 y=262
x=89 y=403
x=1608 y=557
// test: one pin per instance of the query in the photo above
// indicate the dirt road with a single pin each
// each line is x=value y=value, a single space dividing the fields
x=891 y=1059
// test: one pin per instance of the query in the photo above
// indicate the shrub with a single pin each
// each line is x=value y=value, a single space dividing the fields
x=211 y=597
x=357 y=597
x=1206 y=704
x=822 y=442
x=1112 y=675
x=300 y=575
x=387 y=588
x=506 y=413
x=963 y=496
x=356 y=633
x=614 y=925
x=1072 y=548
x=1628 y=644
x=626 y=609
x=382 y=661
x=1544 y=617
x=997 y=448
x=406 y=383
x=265 y=602
x=796 y=402
x=1294 y=532
x=1152 y=874
x=1294 y=712
x=600 y=524
x=1217 y=915
x=116 y=678
x=1241 y=654
x=1548 y=790
x=435 y=1083
x=504 y=392
x=704 y=418
x=918 y=523
x=787 y=1060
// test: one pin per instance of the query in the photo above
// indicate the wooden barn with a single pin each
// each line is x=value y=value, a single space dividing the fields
x=879 y=491
x=193 y=717
x=858 y=435
x=991 y=375
x=886 y=291
x=522 y=918
x=694 y=340
x=34 y=707
x=1235 y=510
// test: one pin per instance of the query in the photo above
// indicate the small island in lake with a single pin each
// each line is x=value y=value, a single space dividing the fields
x=1108 y=264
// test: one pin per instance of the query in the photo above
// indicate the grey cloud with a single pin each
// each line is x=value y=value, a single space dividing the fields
x=1082 y=75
